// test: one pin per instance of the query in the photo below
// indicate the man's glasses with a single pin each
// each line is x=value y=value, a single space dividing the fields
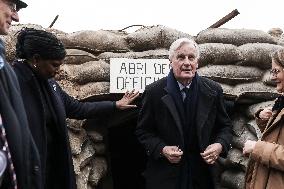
x=275 y=71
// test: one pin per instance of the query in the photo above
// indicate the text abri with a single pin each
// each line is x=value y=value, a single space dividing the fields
x=127 y=74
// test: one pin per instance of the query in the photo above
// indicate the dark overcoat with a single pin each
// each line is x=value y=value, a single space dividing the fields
x=64 y=107
x=23 y=150
x=160 y=124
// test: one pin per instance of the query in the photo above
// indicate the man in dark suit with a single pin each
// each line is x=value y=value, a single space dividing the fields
x=183 y=124
x=16 y=142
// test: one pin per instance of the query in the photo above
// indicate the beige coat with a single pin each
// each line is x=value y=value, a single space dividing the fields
x=266 y=165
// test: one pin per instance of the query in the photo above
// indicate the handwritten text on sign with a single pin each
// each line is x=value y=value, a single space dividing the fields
x=127 y=74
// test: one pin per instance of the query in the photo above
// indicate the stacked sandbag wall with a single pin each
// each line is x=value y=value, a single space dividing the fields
x=238 y=59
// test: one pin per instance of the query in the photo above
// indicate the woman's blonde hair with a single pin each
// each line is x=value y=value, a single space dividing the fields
x=278 y=57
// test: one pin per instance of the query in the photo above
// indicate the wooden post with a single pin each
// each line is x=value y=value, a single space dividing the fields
x=54 y=20
x=225 y=19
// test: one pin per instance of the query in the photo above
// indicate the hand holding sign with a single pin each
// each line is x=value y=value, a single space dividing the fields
x=127 y=99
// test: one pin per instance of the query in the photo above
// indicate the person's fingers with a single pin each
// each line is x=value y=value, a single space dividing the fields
x=208 y=152
x=174 y=159
x=212 y=159
x=125 y=94
x=212 y=154
x=133 y=94
x=136 y=94
x=129 y=106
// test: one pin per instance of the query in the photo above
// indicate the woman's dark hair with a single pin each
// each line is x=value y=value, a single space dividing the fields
x=32 y=42
x=278 y=57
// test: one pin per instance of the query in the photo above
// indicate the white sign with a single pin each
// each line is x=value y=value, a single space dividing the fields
x=127 y=74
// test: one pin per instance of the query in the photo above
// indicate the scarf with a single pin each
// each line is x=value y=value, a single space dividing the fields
x=279 y=104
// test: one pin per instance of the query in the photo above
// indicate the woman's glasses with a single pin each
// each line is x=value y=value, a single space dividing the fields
x=275 y=71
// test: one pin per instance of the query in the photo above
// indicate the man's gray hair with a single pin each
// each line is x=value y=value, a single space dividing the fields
x=180 y=42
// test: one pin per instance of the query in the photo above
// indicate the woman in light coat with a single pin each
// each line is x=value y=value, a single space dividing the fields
x=266 y=166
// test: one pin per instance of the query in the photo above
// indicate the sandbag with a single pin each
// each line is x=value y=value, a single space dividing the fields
x=251 y=110
x=236 y=159
x=254 y=92
x=95 y=136
x=238 y=141
x=238 y=122
x=257 y=54
x=95 y=41
x=100 y=148
x=83 y=177
x=254 y=129
x=281 y=41
x=227 y=91
x=154 y=37
x=75 y=125
x=218 y=53
x=231 y=74
x=81 y=92
x=99 y=169
x=233 y=179
x=150 y=54
x=76 y=56
x=93 y=71
x=234 y=36
x=76 y=141
x=275 y=32
x=84 y=158
x=94 y=88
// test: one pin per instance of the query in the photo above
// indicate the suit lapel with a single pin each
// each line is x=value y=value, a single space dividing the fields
x=169 y=102
x=205 y=100
x=173 y=101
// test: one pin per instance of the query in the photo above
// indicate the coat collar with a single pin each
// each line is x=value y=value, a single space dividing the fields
x=272 y=123
x=23 y=68
x=173 y=101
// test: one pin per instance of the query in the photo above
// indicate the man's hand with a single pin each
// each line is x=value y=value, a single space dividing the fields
x=211 y=153
x=172 y=153
x=265 y=114
x=248 y=147
x=127 y=99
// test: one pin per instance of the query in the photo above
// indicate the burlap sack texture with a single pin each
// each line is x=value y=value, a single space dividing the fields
x=238 y=59
x=218 y=54
x=95 y=41
x=153 y=37
x=275 y=32
x=88 y=150
x=234 y=36
x=231 y=74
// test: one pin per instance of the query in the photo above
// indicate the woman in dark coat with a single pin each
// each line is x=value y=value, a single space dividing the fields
x=47 y=105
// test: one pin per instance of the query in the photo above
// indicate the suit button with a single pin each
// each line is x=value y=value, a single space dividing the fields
x=36 y=168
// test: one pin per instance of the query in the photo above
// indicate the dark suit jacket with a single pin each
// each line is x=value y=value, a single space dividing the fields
x=160 y=124
x=64 y=107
